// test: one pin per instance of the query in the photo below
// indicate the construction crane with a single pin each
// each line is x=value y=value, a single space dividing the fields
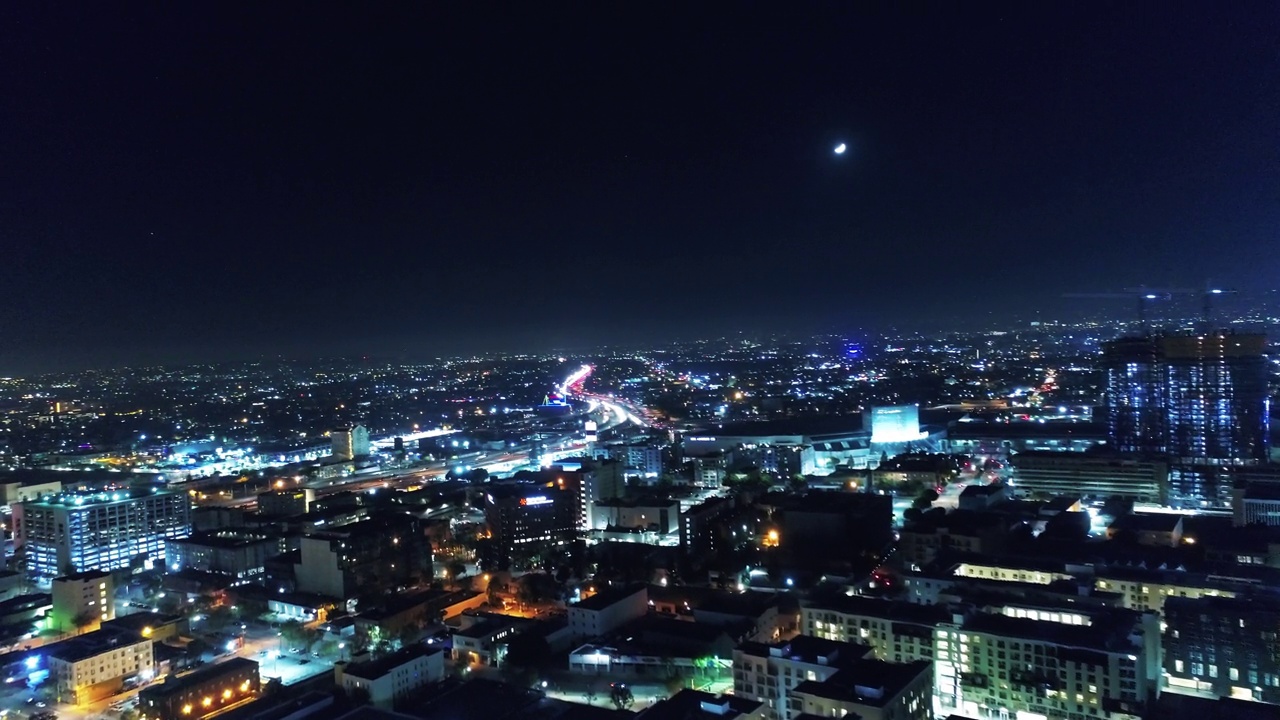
x=1144 y=295
x=1141 y=295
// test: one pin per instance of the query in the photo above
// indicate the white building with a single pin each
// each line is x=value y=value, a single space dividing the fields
x=88 y=596
x=768 y=673
x=607 y=610
x=91 y=667
x=392 y=677
x=350 y=443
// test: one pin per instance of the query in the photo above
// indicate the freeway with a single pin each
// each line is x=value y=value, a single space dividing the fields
x=612 y=413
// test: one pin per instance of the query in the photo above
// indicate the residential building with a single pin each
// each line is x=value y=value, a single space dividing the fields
x=391 y=678
x=1144 y=589
x=1229 y=647
x=869 y=690
x=895 y=631
x=203 y=692
x=82 y=601
x=992 y=665
x=606 y=610
x=63 y=534
x=484 y=643
x=1150 y=529
x=1256 y=504
x=702 y=527
x=638 y=459
x=768 y=672
x=709 y=470
x=920 y=541
x=90 y=667
x=350 y=442
x=366 y=557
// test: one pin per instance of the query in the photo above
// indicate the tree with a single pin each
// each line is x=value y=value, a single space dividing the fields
x=621 y=696
x=926 y=499
x=591 y=693
x=84 y=620
x=528 y=649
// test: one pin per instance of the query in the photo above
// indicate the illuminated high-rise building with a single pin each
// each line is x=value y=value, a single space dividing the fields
x=75 y=532
x=350 y=442
x=1200 y=399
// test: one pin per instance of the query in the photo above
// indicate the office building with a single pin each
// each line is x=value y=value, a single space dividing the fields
x=82 y=601
x=1097 y=475
x=364 y=558
x=520 y=516
x=1224 y=646
x=63 y=534
x=203 y=692
x=90 y=667
x=869 y=690
x=394 y=677
x=768 y=672
x=238 y=553
x=350 y=442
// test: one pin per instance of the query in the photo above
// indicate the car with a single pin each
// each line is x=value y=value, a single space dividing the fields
x=295 y=651
x=304 y=661
x=262 y=654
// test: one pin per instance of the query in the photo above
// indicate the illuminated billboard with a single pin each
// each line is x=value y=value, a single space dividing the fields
x=895 y=424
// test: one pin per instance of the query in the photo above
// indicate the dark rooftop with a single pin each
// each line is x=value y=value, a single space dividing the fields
x=697 y=705
x=373 y=669
x=1147 y=522
x=180 y=683
x=608 y=596
x=810 y=649
x=867 y=682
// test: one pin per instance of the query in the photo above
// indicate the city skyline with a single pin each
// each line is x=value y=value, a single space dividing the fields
x=234 y=183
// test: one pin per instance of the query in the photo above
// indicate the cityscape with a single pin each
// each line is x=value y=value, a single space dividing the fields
x=417 y=363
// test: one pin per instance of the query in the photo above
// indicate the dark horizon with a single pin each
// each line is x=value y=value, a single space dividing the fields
x=186 y=184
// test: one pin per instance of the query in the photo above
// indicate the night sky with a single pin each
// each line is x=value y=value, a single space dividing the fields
x=188 y=181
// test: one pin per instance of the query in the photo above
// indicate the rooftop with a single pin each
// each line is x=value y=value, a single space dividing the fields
x=373 y=669
x=897 y=611
x=87 y=575
x=176 y=684
x=1148 y=522
x=97 y=498
x=867 y=682
x=91 y=644
x=224 y=538
x=808 y=649
x=608 y=596
x=697 y=705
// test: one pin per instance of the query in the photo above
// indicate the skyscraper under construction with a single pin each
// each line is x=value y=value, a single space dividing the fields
x=1200 y=399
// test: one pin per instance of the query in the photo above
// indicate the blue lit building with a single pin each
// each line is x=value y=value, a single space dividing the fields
x=74 y=532
x=1200 y=399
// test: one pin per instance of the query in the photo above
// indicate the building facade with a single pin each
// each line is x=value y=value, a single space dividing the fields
x=69 y=533
x=237 y=553
x=201 y=693
x=1224 y=646
x=82 y=601
x=391 y=678
x=88 y=668
x=350 y=442
x=768 y=672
